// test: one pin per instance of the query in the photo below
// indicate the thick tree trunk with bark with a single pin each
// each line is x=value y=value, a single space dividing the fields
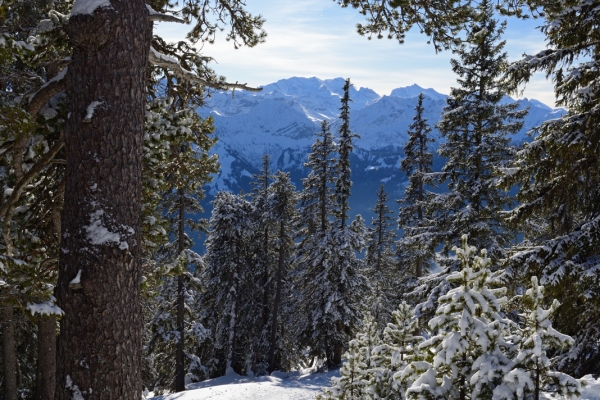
x=9 y=356
x=45 y=379
x=100 y=341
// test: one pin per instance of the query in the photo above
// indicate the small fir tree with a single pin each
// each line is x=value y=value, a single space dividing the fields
x=532 y=372
x=465 y=355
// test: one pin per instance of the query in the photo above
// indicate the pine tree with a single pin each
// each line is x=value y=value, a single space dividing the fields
x=418 y=241
x=532 y=371
x=380 y=262
x=558 y=176
x=467 y=354
x=476 y=128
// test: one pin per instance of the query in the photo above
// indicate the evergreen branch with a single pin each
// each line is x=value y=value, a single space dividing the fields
x=6 y=211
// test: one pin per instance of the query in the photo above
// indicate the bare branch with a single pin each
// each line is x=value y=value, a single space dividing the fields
x=165 y=61
x=38 y=99
x=160 y=17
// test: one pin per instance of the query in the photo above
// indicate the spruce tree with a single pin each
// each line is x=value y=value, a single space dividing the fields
x=177 y=166
x=226 y=272
x=418 y=241
x=559 y=177
x=466 y=354
x=282 y=201
x=353 y=383
x=380 y=261
x=532 y=373
x=476 y=127
x=328 y=281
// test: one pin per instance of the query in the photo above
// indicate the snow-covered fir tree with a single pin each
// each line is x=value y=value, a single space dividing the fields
x=282 y=201
x=476 y=127
x=177 y=165
x=467 y=354
x=417 y=244
x=380 y=262
x=558 y=177
x=328 y=283
x=386 y=378
x=353 y=383
x=226 y=263
x=532 y=372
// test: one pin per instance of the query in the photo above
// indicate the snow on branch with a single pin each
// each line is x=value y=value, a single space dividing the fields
x=165 y=61
x=54 y=86
x=160 y=17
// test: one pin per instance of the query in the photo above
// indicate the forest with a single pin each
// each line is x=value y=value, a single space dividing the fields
x=481 y=282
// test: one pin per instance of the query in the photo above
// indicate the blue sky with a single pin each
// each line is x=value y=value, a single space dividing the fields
x=318 y=38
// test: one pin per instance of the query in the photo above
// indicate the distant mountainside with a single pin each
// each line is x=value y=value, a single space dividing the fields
x=281 y=121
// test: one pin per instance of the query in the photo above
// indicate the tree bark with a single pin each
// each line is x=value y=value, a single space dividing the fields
x=45 y=379
x=9 y=356
x=100 y=341
x=179 y=350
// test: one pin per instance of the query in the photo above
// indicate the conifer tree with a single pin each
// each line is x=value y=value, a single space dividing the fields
x=380 y=262
x=532 y=371
x=397 y=349
x=466 y=355
x=353 y=381
x=419 y=239
x=476 y=128
x=328 y=281
x=559 y=177
x=343 y=181
x=282 y=202
x=226 y=261
x=177 y=165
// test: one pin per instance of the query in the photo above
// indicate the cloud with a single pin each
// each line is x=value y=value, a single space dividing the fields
x=318 y=38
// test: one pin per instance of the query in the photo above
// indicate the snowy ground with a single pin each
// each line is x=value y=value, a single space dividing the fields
x=280 y=386
x=293 y=386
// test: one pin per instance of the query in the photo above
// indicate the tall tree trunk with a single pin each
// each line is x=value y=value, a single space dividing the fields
x=9 y=355
x=45 y=379
x=100 y=341
x=273 y=338
x=179 y=349
x=337 y=354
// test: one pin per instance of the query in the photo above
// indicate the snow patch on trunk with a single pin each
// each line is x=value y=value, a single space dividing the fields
x=89 y=6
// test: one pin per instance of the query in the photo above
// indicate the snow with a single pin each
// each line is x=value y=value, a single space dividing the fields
x=89 y=6
x=47 y=307
x=90 y=111
x=279 y=386
x=77 y=280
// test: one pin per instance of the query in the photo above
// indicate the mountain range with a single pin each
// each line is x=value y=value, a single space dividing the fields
x=281 y=120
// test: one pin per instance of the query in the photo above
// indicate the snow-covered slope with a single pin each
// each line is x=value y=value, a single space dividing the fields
x=293 y=386
x=278 y=386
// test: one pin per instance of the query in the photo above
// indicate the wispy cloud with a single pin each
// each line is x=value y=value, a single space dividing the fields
x=317 y=38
